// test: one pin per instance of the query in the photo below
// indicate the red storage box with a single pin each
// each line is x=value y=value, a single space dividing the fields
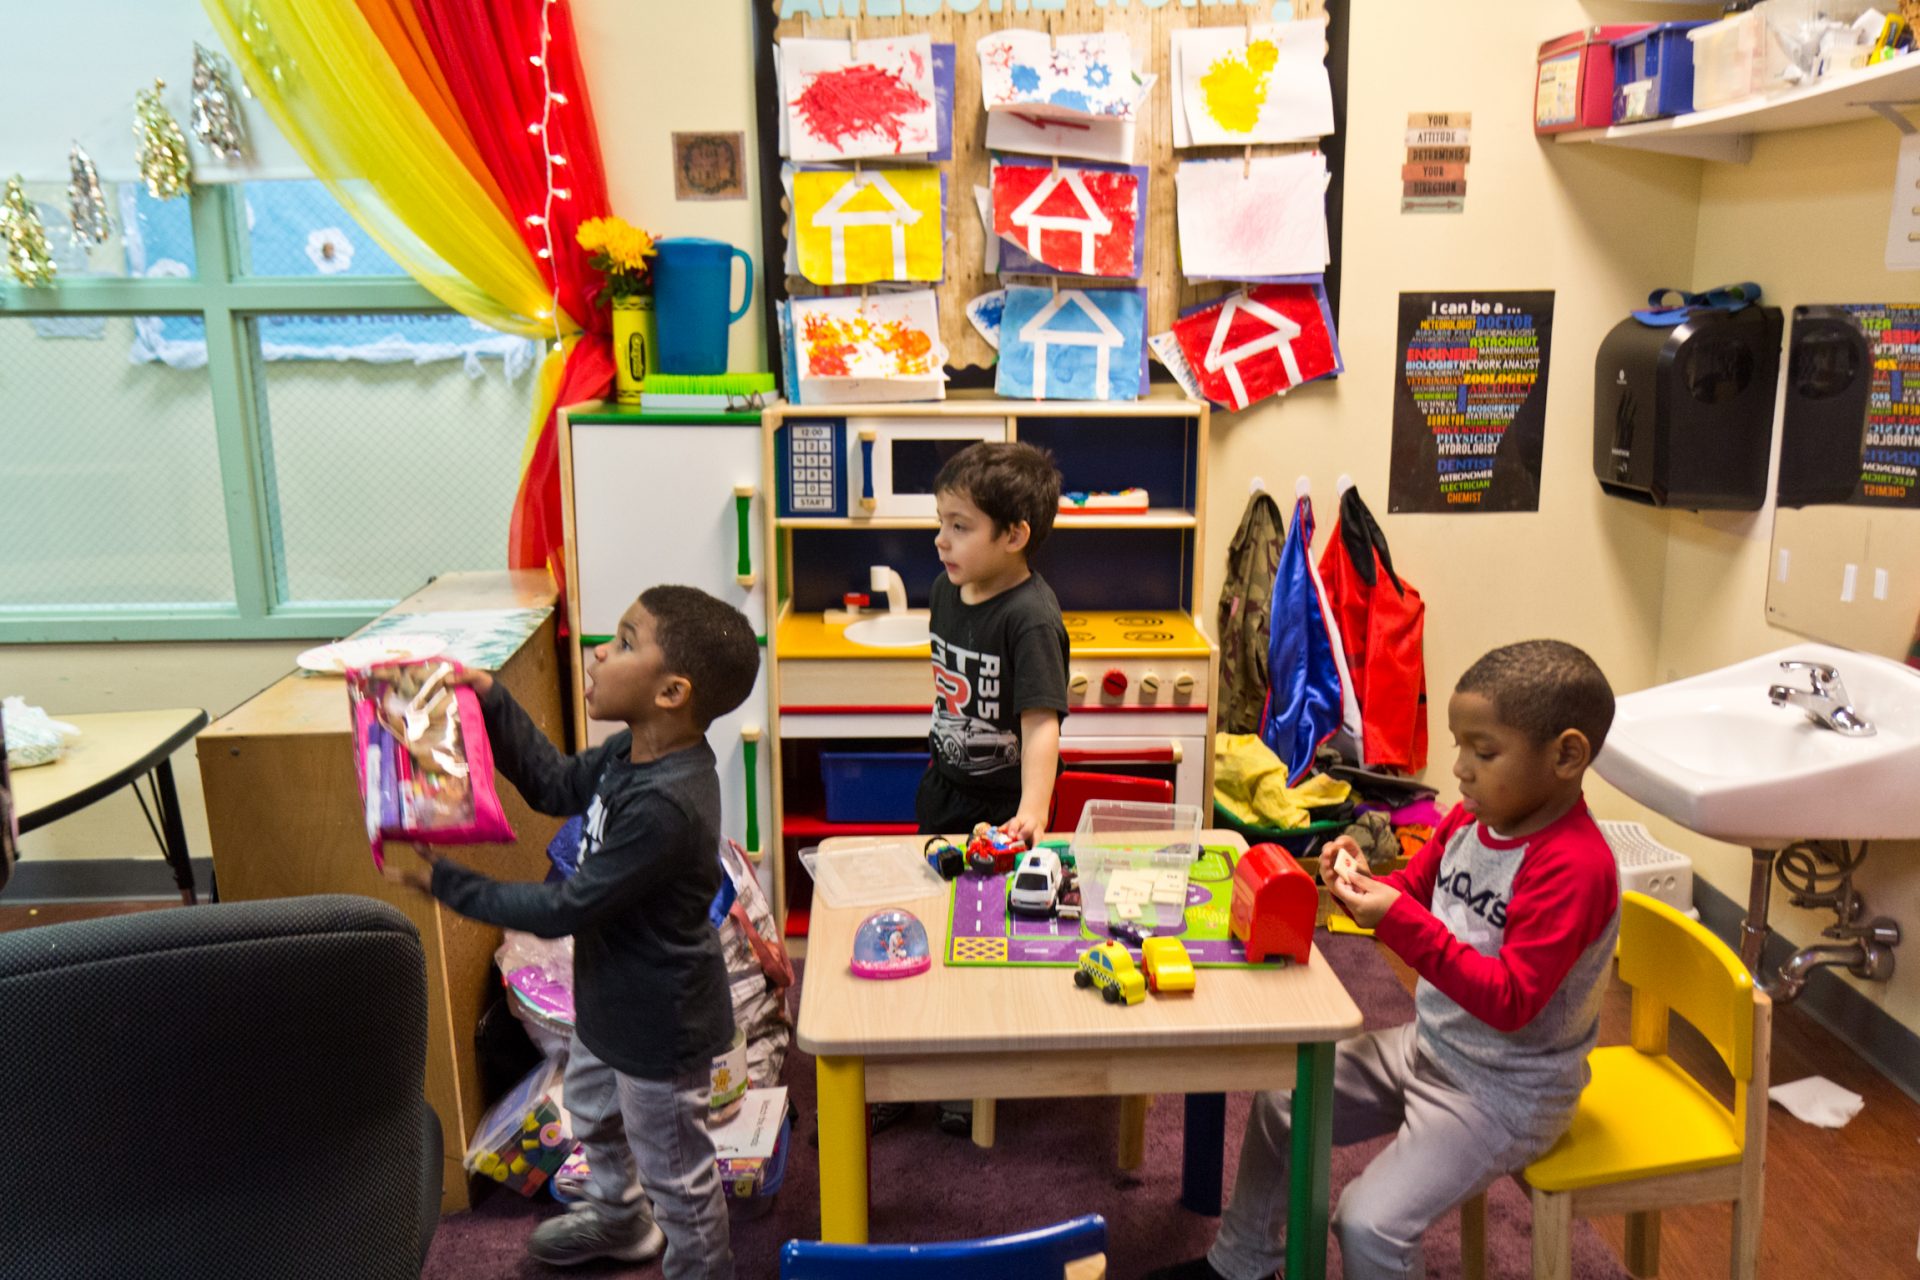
x=1573 y=78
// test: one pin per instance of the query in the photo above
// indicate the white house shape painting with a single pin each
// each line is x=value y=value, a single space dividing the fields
x=1088 y=220
x=1076 y=344
x=1278 y=338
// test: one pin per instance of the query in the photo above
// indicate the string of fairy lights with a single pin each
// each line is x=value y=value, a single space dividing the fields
x=542 y=129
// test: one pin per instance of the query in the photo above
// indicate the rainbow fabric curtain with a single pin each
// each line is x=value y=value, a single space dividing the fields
x=442 y=125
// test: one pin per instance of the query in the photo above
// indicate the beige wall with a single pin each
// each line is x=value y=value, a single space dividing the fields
x=1807 y=218
x=1652 y=595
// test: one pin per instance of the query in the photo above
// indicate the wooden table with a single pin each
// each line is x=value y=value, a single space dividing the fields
x=1029 y=1032
x=116 y=749
x=284 y=811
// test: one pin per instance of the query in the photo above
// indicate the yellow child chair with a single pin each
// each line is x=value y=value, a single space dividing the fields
x=1647 y=1136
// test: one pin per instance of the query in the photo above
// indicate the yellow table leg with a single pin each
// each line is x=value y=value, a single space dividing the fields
x=842 y=1089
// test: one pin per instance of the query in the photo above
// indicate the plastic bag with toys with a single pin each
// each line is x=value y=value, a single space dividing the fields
x=421 y=753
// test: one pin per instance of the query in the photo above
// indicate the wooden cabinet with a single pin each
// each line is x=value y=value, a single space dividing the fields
x=654 y=499
x=1141 y=672
x=285 y=816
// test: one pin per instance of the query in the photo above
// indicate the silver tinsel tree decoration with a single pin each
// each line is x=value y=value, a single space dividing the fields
x=86 y=203
x=216 y=108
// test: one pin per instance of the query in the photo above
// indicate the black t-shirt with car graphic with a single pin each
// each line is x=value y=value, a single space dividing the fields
x=992 y=661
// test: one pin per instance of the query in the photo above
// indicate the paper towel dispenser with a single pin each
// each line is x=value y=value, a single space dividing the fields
x=1683 y=414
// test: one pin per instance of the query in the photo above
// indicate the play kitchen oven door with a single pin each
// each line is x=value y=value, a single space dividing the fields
x=894 y=461
x=1178 y=758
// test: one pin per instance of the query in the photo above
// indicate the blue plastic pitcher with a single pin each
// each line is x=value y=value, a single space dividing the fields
x=692 y=279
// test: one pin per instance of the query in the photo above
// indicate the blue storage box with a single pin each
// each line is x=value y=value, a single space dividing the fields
x=871 y=786
x=1653 y=73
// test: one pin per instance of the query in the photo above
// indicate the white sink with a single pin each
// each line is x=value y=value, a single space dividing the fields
x=1714 y=755
x=892 y=630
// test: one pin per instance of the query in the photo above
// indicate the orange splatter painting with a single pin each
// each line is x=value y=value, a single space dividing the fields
x=859 y=346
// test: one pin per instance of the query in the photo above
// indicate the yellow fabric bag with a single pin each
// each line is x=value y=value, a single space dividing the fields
x=1250 y=782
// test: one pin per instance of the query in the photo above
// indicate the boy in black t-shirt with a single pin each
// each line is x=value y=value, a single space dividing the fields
x=999 y=647
x=651 y=999
x=999 y=661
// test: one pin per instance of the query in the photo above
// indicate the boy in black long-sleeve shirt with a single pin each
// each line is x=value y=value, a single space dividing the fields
x=651 y=1002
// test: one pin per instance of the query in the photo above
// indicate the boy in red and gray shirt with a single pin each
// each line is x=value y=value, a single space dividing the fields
x=1509 y=916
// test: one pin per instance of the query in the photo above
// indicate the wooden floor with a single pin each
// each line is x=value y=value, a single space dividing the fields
x=1841 y=1203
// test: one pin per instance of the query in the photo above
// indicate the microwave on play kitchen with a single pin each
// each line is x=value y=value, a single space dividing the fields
x=870 y=467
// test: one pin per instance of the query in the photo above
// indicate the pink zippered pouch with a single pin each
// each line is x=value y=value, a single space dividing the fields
x=421 y=754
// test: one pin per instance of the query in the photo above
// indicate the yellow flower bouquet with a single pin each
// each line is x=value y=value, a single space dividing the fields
x=622 y=253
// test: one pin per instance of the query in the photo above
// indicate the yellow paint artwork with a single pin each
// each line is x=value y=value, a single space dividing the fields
x=869 y=225
x=1235 y=86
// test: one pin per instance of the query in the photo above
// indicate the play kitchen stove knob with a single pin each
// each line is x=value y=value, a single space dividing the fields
x=1077 y=684
x=1149 y=685
x=1114 y=683
x=1183 y=685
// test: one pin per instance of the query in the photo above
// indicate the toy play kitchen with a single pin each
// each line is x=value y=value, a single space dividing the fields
x=853 y=539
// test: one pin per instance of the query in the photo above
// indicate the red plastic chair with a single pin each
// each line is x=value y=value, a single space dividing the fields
x=1072 y=791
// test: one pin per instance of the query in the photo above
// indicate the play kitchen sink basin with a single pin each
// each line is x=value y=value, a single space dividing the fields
x=1714 y=754
x=1802 y=755
x=892 y=631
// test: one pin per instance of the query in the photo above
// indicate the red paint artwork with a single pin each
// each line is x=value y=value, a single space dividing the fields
x=1078 y=220
x=860 y=101
x=1259 y=342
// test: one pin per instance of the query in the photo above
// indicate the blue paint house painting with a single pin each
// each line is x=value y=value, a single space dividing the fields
x=1074 y=344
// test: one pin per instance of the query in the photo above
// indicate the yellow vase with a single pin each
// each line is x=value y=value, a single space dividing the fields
x=634 y=335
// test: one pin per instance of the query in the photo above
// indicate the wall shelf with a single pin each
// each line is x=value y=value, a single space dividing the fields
x=1726 y=133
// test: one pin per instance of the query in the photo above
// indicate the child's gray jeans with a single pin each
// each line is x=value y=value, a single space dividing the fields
x=651 y=1159
x=1447 y=1149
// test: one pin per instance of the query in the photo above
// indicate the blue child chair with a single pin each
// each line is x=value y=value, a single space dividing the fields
x=1071 y=1250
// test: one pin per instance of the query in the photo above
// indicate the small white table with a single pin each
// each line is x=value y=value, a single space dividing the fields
x=116 y=749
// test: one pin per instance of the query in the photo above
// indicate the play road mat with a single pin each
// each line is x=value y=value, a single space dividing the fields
x=984 y=932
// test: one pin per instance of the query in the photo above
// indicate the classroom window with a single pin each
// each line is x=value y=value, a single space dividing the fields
x=239 y=418
x=362 y=509
x=110 y=478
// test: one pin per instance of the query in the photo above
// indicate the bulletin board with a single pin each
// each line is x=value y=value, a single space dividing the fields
x=1168 y=293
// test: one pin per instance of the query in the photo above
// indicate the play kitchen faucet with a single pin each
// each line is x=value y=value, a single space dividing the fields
x=1825 y=703
x=882 y=578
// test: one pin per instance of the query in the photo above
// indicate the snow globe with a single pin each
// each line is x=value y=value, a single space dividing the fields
x=891 y=944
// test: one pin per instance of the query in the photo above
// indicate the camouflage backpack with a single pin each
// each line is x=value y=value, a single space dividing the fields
x=1246 y=599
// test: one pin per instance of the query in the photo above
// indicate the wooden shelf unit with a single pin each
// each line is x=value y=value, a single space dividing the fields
x=1177 y=526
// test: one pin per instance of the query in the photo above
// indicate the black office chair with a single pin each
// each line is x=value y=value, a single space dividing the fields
x=217 y=1091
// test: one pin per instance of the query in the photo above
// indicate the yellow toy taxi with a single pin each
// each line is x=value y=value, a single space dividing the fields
x=1109 y=967
x=1169 y=967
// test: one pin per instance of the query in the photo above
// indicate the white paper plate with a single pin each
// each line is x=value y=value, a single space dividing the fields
x=341 y=655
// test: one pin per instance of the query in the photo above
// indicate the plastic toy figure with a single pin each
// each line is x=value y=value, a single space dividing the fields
x=945 y=857
x=992 y=851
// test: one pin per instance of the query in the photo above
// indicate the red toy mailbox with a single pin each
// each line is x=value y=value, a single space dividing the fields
x=1274 y=904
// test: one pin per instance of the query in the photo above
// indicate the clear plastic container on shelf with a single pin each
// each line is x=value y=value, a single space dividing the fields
x=1132 y=862
x=1776 y=45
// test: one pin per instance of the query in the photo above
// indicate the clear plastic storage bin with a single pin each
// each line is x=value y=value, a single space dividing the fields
x=1775 y=45
x=1133 y=860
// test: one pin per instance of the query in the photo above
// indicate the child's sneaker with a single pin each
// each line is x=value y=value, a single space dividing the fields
x=581 y=1235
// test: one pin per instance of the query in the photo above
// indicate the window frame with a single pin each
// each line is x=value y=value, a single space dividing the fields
x=228 y=299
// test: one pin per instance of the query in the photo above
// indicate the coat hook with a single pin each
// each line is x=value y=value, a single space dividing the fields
x=1303 y=488
x=1340 y=486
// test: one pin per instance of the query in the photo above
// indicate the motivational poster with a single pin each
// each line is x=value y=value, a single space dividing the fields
x=1470 y=401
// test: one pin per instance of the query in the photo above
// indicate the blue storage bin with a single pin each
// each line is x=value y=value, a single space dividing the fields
x=871 y=786
x=1663 y=55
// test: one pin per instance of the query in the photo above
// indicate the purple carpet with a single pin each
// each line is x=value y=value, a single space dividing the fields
x=1054 y=1159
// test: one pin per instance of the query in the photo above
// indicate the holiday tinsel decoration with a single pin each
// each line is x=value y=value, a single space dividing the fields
x=27 y=255
x=86 y=203
x=164 y=163
x=216 y=109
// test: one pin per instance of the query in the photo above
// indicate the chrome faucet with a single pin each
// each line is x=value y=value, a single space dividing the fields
x=1825 y=703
